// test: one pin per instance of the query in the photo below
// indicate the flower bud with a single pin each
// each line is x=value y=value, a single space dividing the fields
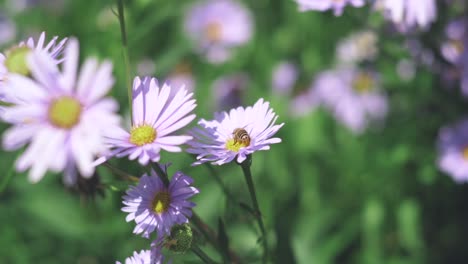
x=180 y=239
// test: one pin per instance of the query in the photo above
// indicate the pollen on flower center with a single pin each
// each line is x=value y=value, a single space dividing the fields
x=213 y=31
x=65 y=112
x=16 y=60
x=458 y=45
x=465 y=153
x=161 y=202
x=363 y=82
x=142 y=135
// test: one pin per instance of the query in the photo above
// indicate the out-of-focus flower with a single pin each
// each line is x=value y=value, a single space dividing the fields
x=14 y=59
x=358 y=47
x=303 y=103
x=407 y=14
x=453 y=151
x=62 y=116
x=352 y=96
x=235 y=135
x=228 y=91
x=155 y=117
x=7 y=30
x=153 y=256
x=17 y=6
x=218 y=26
x=154 y=206
x=284 y=77
x=421 y=54
x=323 y=5
x=406 y=69
x=181 y=76
x=455 y=51
x=452 y=49
x=146 y=67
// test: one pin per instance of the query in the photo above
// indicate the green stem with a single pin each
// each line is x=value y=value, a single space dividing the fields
x=248 y=178
x=161 y=174
x=202 y=255
x=123 y=32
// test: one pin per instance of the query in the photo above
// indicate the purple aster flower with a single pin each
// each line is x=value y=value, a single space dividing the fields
x=156 y=207
x=284 y=78
x=156 y=116
x=217 y=26
x=235 y=135
x=352 y=96
x=453 y=151
x=153 y=256
x=323 y=5
x=63 y=116
x=407 y=14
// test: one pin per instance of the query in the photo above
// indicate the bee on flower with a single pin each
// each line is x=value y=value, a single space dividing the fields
x=235 y=134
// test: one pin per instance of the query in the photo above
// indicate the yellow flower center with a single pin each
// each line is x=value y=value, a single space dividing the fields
x=16 y=60
x=213 y=31
x=465 y=153
x=142 y=135
x=161 y=202
x=65 y=112
x=363 y=83
x=458 y=45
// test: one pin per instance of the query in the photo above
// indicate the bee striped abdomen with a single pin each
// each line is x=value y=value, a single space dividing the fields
x=241 y=137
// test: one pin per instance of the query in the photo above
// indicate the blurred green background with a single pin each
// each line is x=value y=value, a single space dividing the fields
x=327 y=195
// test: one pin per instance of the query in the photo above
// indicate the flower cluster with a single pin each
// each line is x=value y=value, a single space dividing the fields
x=352 y=96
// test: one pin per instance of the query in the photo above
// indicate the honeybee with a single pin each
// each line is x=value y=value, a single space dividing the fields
x=241 y=136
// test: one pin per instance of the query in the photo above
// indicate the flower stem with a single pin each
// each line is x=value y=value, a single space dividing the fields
x=123 y=32
x=248 y=178
x=161 y=174
x=202 y=255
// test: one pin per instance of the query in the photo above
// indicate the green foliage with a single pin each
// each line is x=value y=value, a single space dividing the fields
x=326 y=195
